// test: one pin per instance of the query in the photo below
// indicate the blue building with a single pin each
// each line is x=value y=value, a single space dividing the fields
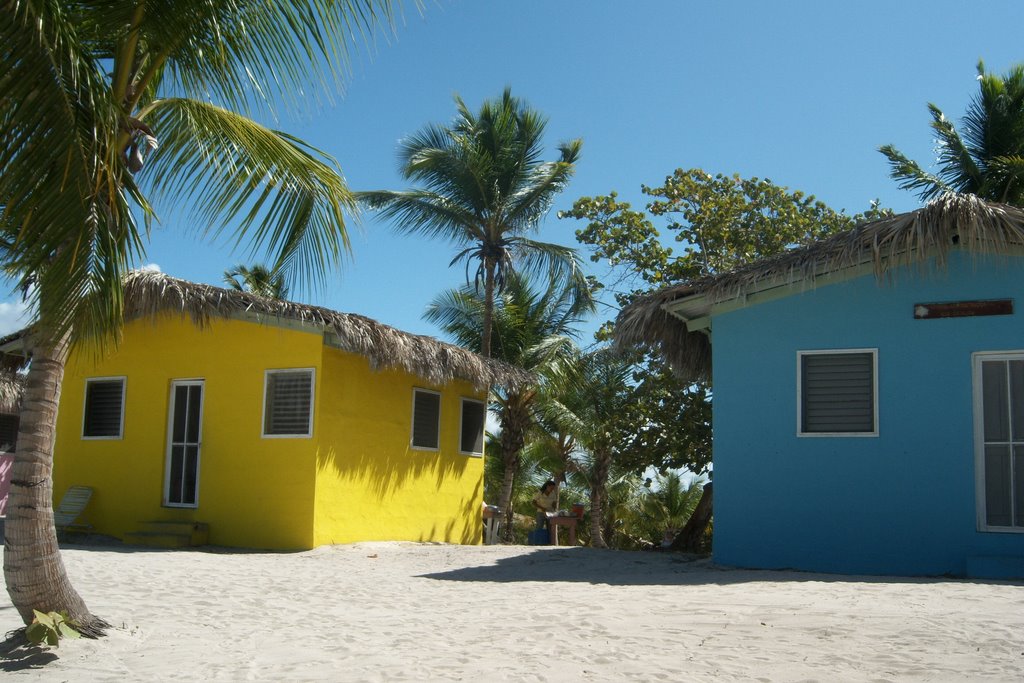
x=868 y=395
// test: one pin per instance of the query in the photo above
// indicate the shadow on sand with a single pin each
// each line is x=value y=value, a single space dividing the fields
x=631 y=568
x=17 y=654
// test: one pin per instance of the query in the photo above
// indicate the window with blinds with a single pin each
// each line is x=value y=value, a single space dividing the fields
x=471 y=439
x=426 y=419
x=288 y=403
x=104 y=408
x=838 y=393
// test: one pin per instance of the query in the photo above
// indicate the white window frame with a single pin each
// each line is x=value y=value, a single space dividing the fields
x=799 y=392
x=483 y=426
x=312 y=395
x=85 y=404
x=979 y=437
x=412 y=420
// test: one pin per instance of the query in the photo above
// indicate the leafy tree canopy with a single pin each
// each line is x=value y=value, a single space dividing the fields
x=721 y=222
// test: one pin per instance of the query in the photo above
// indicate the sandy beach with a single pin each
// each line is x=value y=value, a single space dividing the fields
x=405 y=611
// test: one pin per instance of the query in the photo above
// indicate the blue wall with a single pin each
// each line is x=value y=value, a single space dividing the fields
x=899 y=503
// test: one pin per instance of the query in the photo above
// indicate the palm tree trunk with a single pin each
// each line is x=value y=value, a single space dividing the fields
x=690 y=537
x=514 y=421
x=598 y=494
x=33 y=569
x=485 y=336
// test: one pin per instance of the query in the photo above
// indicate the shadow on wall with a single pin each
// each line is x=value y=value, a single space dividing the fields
x=389 y=471
x=469 y=535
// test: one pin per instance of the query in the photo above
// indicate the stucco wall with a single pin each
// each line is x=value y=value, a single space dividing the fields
x=902 y=502
x=355 y=479
x=371 y=484
x=253 y=492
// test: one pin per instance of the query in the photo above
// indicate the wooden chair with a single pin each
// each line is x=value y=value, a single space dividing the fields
x=70 y=507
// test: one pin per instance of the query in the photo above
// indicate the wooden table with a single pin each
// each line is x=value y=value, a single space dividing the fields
x=569 y=522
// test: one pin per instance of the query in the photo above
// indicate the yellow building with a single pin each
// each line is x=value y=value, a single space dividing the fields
x=276 y=424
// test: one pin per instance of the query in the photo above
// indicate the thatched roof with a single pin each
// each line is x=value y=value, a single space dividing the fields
x=148 y=294
x=12 y=385
x=951 y=221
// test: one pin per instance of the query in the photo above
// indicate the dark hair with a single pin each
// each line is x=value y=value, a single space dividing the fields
x=545 y=485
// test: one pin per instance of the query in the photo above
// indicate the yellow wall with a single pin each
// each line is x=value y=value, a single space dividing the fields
x=357 y=478
x=253 y=492
x=371 y=484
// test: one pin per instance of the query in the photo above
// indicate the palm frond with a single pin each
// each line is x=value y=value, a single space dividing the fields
x=421 y=211
x=957 y=167
x=285 y=197
x=65 y=195
x=910 y=174
x=245 y=54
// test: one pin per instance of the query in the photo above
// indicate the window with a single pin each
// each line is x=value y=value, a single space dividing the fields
x=288 y=403
x=837 y=393
x=104 y=408
x=999 y=439
x=426 y=419
x=9 y=433
x=471 y=438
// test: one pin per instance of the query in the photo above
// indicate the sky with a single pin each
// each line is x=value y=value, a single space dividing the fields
x=799 y=92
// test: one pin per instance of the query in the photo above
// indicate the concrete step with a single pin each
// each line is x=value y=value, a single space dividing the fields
x=170 y=534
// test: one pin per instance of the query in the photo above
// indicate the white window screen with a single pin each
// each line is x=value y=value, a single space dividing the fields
x=289 y=403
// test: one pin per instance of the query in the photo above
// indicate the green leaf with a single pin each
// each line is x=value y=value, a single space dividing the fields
x=66 y=631
x=36 y=632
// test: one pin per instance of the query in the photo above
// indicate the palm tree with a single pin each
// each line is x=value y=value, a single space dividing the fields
x=531 y=330
x=485 y=189
x=987 y=160
x=257 y=279
x=595 y=404
x=110 y=106
x=670 y=502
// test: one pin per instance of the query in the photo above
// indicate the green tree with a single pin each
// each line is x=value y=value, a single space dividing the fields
x=596 y=405
x=987 y=158
x=669 y=503
x=108 y=109
x=531 y=330
x=485 y=189
x=721 y=222
x=257 y=279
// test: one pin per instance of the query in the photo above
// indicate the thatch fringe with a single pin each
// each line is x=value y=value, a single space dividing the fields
x=951 y=221
x=148 y=294
x=12 y=386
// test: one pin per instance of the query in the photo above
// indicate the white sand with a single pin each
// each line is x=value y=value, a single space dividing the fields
x=404 y=611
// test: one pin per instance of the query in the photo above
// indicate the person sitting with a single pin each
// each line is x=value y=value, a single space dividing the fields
x=546 y=500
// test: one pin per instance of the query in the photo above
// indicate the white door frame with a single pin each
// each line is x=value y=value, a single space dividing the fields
x=977 y=359
x=171 y=443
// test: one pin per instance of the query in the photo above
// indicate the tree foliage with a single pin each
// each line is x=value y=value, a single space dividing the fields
x=257 y=279
x=109 y=109
x=531 y=330
x=987 y=158
x=719 y=222
x=483 y=186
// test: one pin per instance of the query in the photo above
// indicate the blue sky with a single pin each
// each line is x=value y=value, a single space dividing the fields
x=799 y=92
